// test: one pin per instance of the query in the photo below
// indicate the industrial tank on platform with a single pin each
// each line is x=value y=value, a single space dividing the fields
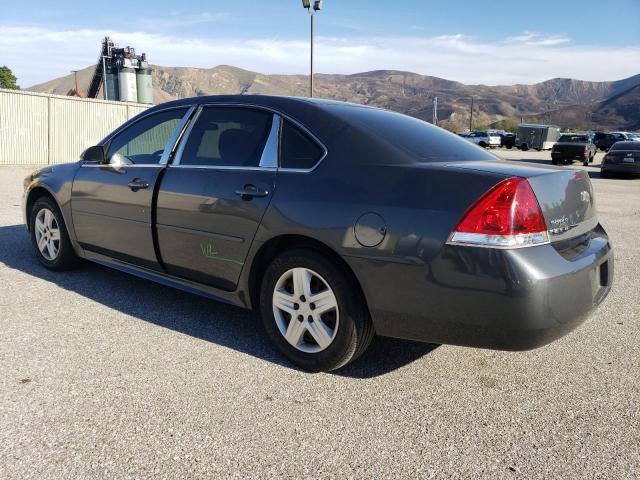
x=144 y=84
x=127 y=80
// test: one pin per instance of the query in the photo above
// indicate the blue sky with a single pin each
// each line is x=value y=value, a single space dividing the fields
x=498 y=42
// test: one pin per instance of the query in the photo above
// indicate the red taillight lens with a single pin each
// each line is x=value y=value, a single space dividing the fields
x=508 y=215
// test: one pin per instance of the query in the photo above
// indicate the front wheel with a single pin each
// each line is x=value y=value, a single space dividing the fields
x=49 y=236
x=313 y=312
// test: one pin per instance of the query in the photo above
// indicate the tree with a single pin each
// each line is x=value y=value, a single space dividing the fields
x=8 y=79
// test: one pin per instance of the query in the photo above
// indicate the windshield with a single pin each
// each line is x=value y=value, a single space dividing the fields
x=424 y=142
x=573 y=139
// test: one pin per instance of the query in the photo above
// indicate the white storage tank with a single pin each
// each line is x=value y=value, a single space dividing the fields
x=128 y=84
x=144 y=84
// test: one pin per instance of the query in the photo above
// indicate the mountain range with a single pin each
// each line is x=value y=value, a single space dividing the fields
x=566 y=102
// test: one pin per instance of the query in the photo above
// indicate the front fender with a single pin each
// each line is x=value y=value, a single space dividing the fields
x=57 y=181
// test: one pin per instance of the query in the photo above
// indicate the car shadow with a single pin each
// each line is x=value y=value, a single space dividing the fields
x=226 y=325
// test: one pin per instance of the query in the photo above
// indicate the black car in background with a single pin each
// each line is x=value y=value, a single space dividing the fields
x=604 y=141
x=622 y=158
x=570 y=147
x=336 y=221
x=508 y=140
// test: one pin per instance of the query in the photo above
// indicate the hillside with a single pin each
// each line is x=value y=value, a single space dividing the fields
x=405 y=92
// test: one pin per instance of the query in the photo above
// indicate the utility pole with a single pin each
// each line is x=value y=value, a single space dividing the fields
x=435 y=110
x=317 y=6
x=75 y=79
x=471 y=116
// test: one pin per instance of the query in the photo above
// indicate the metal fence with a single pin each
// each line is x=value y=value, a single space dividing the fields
x=38 y=128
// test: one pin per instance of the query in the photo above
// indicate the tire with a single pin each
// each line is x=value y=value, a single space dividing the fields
x=59 y=255
x=538 y=149
x=352 y=330
x=554 y=161
x=524 y=147
x=483 y=145
x=509 y=147
x=586 y=161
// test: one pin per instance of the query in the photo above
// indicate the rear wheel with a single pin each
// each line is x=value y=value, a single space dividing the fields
x=49 y=236
x=483 y=145
x=312 y=312
x=524 y=147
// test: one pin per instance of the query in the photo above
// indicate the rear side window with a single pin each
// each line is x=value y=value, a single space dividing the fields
x=423 y=142
x=631 y=145
x=297 y=150
x=227 y=137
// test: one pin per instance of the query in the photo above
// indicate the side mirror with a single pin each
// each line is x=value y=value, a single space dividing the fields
x=94 y=155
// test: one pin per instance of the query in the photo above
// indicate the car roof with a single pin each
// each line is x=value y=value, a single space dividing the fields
x=314 y=114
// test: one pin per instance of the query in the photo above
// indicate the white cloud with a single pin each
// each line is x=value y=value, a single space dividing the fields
x=177 y=20
x=39 y=54
x=537 y=39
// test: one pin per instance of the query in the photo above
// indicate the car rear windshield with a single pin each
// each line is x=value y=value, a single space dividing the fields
x=573 y=139
x=632 y=145
x=424 y=142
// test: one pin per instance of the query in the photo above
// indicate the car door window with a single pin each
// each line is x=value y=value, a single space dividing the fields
x=297 y=150
x=227 y=137
x=143 y=143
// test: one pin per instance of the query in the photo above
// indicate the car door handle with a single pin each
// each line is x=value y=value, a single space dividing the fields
x=250 y=191
x=138 y=184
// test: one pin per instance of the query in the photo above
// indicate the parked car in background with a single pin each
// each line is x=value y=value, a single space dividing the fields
x=539 y=137
x=604 y=141
x=508 y=140
x=623 y=158
x=484 y=139
x=398 y=229
x=570 y=147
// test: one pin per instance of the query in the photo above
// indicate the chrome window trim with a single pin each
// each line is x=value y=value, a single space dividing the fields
x=178 y=155
x=269 y=157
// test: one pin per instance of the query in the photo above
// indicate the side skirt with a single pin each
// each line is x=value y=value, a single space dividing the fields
x=231 y=298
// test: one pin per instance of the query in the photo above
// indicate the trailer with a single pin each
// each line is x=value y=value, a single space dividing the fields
x=540 y=137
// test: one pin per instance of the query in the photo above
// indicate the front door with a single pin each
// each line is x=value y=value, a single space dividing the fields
x=213 y=197
x=111 y=204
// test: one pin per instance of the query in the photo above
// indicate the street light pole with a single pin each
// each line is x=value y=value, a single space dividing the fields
x=311 y=66
x=317 y=5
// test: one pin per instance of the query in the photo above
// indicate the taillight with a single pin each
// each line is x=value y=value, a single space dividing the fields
x=507 y=216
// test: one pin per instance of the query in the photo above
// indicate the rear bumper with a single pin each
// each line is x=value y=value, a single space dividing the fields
x=500 y=299
x=630 y=168
x=568 y=156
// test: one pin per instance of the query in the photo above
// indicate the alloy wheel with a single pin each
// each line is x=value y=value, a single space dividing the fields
x=305 y=309
x=47 y=232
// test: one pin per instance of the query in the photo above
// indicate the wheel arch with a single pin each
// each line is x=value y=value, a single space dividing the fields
x=279 y=244
x=35 y=193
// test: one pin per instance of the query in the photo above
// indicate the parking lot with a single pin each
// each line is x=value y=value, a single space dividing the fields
x=103 y=375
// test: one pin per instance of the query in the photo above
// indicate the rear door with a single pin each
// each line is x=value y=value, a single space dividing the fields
x=213 y=196
x=112 y=203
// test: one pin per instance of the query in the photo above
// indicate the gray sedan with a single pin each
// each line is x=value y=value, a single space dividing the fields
x=336 y=221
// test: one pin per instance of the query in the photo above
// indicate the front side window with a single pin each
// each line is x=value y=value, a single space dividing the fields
x=297 y=150
x=227 y=137
x=143 y=143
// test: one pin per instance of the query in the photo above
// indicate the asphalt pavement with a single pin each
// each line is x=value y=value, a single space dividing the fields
x=103 y=375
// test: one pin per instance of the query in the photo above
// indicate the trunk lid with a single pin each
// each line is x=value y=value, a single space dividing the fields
x=565 y=195
x=622 y=156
